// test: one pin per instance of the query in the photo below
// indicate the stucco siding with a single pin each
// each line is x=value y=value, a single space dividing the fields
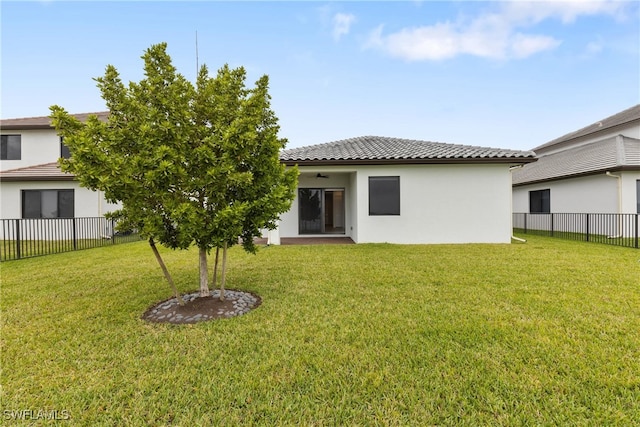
x=37 y=147
x=440 y=204
x=87 y=203
x=589 y=194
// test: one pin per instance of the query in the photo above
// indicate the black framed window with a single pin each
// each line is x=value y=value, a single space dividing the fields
x=10 y=147
x=64 y=150
x=48 y=203
x=540 y=201
x=384 y=195
x=638 y=196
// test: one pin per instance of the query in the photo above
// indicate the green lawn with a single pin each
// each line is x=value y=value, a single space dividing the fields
x=541 y=333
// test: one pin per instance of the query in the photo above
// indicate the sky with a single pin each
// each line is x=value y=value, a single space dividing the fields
x=509 y=74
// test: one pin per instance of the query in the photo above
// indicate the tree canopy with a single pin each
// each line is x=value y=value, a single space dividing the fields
x=191 y=164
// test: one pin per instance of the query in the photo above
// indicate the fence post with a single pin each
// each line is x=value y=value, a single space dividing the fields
x=636 y=231
x=113 y=231
x=525 y=222
x=75 y=236
x=551 y=225
x=587 y=227
x=17 y=228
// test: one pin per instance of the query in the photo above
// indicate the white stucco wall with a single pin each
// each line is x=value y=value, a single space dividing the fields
x=87 y=203
x=588 y=194
x=438 y=203
x=630 y=200
x=441 y=204
x=38 y=147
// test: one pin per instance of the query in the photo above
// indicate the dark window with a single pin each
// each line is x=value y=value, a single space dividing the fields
x=638 y=196
x=540 y=201
x=10 y=147
x=47 y=203
x=384 y=195
x=64 y=150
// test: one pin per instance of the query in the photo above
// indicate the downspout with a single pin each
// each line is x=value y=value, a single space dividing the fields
x=619 y=205
x=511 y=169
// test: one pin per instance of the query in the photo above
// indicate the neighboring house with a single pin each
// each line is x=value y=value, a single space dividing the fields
x=595 y=169
x=31 y=183
x=376 y=189
x=370 y=189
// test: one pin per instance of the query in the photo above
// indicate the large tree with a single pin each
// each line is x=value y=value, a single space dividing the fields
x=191 y=164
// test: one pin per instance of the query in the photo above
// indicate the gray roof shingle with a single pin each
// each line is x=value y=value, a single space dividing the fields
x=629 y=115
x=45 y=172
x=44 y=122
x=611 y=154
x=380 y=150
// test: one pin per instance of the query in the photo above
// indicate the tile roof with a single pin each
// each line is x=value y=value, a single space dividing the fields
x=45 y=172
x=610 y=154
x=43 y=122
x=381 y=150
x=629 y=115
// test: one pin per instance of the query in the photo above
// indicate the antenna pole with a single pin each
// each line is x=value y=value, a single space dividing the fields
x=197 y=66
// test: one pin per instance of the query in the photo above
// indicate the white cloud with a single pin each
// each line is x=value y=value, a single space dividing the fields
x=522 y=45
x=342 y=24
x=492 y=35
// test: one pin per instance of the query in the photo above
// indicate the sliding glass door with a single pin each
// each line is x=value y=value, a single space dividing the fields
x=321 y=211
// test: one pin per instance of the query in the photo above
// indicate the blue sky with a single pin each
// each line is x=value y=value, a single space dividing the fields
x=501 y=74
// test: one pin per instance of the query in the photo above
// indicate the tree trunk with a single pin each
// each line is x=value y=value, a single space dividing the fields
x=204 y=273
x=223 y=279
x=215 y=269
x=165 y=271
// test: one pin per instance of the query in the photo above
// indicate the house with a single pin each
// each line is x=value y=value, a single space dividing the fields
x=31 y=183
x=595 y=169
x=377 y=189
x=369 y=189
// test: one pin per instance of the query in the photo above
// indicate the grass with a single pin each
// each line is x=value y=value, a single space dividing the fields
x=541 y=333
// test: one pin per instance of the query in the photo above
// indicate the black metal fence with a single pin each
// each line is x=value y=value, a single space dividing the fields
x=611 y=229
x=25 y=238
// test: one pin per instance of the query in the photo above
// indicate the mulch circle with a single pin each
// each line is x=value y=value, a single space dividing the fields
x=201 y=309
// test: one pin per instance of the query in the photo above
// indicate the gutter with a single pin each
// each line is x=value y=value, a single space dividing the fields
x=619 y=202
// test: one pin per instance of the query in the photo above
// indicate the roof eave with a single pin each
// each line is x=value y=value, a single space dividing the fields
x=578 y=175
x=567 y=140
x=26 y=127
x=36 y=178
x=368 y=162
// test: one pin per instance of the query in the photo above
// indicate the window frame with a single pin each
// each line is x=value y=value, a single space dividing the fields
x=64 y=150
x=4 y=147
x=539 y=206
x=389 y=204
x=62 y=210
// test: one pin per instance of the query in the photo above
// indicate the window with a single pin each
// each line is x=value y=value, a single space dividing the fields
x=384 y=195
x=47 y=203
x=64 y=150
x=638 y=196
x=540 y=201
x=321 y=210
x=10 y=147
